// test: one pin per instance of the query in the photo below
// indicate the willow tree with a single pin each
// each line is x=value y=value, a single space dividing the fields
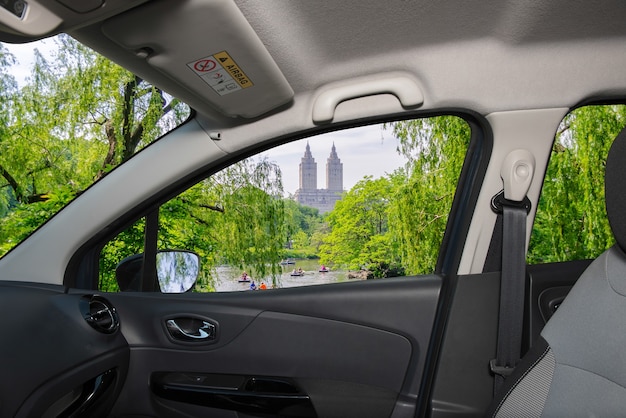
x=435 y=149
x=78 y=116
x=571 y=218
x=234 y=217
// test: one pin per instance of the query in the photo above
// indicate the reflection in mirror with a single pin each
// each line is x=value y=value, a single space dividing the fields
x=177 y=271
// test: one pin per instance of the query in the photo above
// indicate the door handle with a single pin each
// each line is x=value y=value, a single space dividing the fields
x=191 y=329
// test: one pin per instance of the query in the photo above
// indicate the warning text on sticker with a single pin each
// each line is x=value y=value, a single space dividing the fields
x=233 y=69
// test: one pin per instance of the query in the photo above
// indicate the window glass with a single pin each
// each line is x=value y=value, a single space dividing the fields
x=363 y=203
x=75 y=117
x=571 y=221
x=126 y=244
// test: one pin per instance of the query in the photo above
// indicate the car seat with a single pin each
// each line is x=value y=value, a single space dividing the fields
x=579 y=366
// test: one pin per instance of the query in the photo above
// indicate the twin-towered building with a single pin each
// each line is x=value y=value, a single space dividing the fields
x=308 y=194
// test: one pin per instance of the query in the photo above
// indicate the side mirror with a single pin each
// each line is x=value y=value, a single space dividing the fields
x=177 y=271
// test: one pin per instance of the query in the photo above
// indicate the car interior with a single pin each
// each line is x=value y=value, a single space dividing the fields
x=444 y=344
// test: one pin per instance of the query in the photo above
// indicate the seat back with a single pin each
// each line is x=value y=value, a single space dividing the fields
x=579 y=366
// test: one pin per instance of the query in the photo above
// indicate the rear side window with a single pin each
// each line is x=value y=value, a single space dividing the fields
x=571 y=222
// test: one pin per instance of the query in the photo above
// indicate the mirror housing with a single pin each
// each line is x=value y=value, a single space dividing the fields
x=177 y=271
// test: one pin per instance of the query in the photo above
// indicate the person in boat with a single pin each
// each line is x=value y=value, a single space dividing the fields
x=263 y=286
x=252 y=285
x=244 y=276
x=300 y=271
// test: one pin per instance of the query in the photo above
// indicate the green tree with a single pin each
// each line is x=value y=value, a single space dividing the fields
x=234 y=217
x=571 y=218
x=435 y=148
x=359 y=229
x=78 y=116
x=303 y=226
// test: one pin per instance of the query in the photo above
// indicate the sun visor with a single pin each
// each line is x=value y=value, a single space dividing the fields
x=215 y=55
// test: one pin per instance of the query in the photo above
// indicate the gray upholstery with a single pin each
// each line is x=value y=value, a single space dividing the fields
x=582 y=371
x=588 y=337
x=528 y=397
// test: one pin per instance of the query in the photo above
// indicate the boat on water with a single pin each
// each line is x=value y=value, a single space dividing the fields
x=244 y=278
x=324 y=269
x=298 y=272
x=287 y=261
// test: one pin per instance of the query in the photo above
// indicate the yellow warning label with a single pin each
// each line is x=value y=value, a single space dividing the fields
x=233 y=69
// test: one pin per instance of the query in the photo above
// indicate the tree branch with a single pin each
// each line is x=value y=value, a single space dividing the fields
x=563 y=129
x=215 y=207
x=135 y=136
x=17 y=190
x=108 y=160
x=127 y=114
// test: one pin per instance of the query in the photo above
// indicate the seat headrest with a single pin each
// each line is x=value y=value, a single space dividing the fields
x=615 y=188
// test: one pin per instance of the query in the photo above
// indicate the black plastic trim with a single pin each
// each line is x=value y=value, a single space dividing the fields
x=459 y=219
x=275 y=396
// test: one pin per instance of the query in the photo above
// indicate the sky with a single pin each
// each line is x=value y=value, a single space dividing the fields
x=25 y=57
x=367 y=150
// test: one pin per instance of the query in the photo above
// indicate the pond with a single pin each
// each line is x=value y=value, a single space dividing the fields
x=227 y=277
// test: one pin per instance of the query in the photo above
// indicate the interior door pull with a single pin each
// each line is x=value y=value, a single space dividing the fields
x=190 y=329
x=256 y=395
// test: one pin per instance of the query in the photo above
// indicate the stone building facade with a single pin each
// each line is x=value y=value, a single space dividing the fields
x=308 y=194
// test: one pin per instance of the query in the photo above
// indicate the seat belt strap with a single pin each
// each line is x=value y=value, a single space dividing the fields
x=512 y=285
x=516 y=172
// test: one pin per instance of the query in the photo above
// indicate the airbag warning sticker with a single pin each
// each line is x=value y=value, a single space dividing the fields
x=220 y=72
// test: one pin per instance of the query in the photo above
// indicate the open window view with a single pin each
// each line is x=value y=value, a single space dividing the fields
x=363 y=203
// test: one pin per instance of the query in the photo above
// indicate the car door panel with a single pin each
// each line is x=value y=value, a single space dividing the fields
x=63 y=366
x=548 y=285
x=464 y=384
x=354 y=349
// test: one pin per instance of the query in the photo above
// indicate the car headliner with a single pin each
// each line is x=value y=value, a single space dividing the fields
x=481 y=55
x=519 y=64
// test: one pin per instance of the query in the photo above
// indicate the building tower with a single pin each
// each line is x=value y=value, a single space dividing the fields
x=308 y=171
x=308 y=194
x=334 y=172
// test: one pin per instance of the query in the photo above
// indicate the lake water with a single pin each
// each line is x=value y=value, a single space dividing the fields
x=227 y=277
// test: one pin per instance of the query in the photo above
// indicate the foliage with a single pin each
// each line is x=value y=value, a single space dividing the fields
x=18 y=223
x=234 y=217
x=571 y=219
x=128 y=242
x=78 y=116
x=394 y=225
x=436 y=149
x=243 y=210
x=359 y=231
x=304 y=226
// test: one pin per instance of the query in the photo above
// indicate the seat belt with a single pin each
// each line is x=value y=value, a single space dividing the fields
x=517 y=172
